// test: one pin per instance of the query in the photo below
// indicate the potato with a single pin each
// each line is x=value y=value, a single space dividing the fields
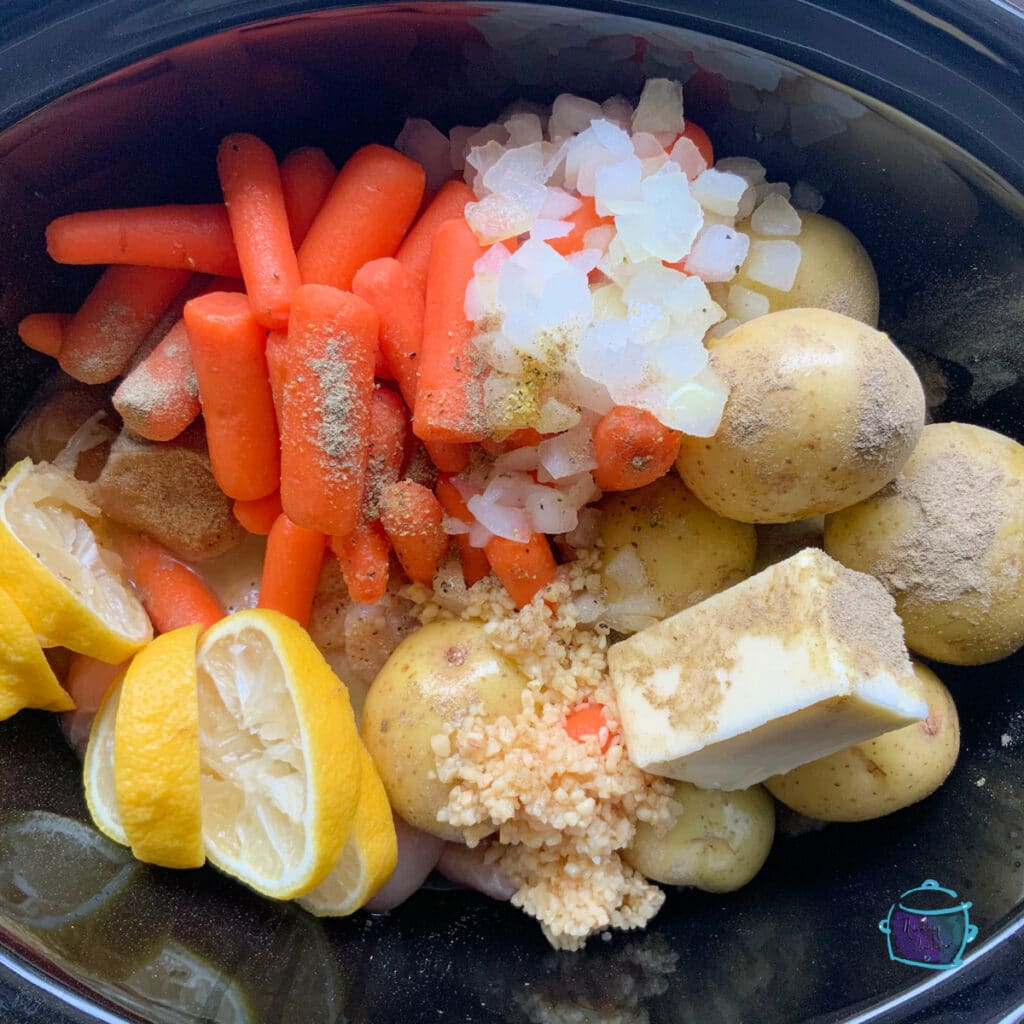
x=718 y=843
x=665 y=551
x=835 y=272
x=822 y=411
x=882 y=775
x=434 y=677
x=947 y=540
x=167 y=490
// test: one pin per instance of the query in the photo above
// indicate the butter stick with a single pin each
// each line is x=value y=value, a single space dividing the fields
x=797 y=662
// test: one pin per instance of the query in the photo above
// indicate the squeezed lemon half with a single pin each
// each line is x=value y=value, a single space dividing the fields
x=279 y=754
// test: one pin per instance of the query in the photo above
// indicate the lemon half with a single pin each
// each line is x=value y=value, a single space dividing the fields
x=156 y=752
x=67 y=585
x=279 y=754
x=369 y=856
x=26 y=679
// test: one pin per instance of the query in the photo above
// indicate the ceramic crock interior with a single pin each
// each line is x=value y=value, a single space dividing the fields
x=803 y=938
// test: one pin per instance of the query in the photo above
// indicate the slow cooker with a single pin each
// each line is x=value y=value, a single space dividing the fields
x=909 y=119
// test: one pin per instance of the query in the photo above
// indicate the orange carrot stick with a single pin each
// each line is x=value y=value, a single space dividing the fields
x=291 y=569
x=411 y=517
x=365 y=215
x=449 y=398
x=387 y=448
x=173 y=594
x=174 y=237
x=474 y=561
x=364 y=557
x=588 y=720
x=259 y=515
x=389 y=287
x=632 y=449
x=585 y=218
x=523 y=568
x=123 y=307
x=306 y=177
x=325 y=408
x=251 y=182
x=227 y=347
x=448 y=204
x=44 y=332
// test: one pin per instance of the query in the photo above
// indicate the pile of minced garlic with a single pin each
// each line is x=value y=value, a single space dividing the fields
x=563 y=810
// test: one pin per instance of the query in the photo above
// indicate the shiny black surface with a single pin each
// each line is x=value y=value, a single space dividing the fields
x=801 y=943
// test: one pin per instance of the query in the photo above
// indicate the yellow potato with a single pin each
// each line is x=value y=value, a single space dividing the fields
x=947 y=540
x=822 y=411
x=719 y=841
x=664 y=551
x=835 y=272
x=433 y=677
x=882 y=775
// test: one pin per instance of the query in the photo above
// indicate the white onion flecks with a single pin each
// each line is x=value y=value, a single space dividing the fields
x=620 y=315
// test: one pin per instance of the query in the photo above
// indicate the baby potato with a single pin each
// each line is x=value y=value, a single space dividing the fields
x=822 y=411
x=665 y=551
x=433 y=678
x=719 y=841
x=947 y=541
x=835 y=272
x=879 y=776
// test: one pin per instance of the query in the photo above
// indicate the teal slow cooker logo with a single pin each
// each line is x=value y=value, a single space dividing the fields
x=928 y=927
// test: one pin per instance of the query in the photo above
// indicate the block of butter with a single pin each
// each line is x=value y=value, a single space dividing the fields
x=797 y=662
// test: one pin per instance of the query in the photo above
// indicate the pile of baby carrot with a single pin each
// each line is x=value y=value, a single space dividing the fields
x=317 y=320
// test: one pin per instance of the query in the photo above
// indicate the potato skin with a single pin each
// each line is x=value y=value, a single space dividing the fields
x=433 y=677
x=687 y=552
x=822 y=412
x=879 y=776
x=719 y=841
x=947 y=540
x=835 y=272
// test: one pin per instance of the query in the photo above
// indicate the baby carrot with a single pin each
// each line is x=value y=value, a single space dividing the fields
x=159 y=398
x=411 y=517
x=523 y=568
x=474 y=561
x=174 y=237
x=448 y=204
x=173 y=594
x=632 y=449
x=44 y=332
x=306 y=177
x=115 y=318
x=449 y=397
x=364 y=557
x=251 y=182
x=387 y=447
x=389 y=287
x=585 y=218
x=227 y=347
x=324 y=408
x=588 y=720
x=277 y=365
x=259 y=515
x=291 y=569
x=365 y=215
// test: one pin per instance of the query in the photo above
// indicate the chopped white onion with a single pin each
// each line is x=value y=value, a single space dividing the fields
x=660 y=108
x=571 y=115
x=550 y=511
x=618 y=110
x=719 y=192
x=588 y=529
x=807 y=197
x=773 y=264
x=459 y=146
x=569 y=453
x=524 y=129
x=746 y=304
x=664 y=223
x=500 y=520
x=559 y=204
x=421 y=141
x=687 y=157
x=453 y=527
x=775 y=216
x=718 y=253
x=747 y=168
